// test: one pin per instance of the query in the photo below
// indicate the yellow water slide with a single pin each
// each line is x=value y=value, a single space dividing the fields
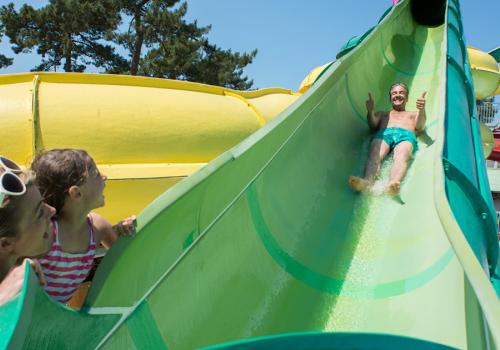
x=486 y=77
x=145 y=134
x=485 y=72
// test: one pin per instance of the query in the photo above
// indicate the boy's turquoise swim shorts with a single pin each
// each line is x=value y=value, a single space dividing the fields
x=394 y=136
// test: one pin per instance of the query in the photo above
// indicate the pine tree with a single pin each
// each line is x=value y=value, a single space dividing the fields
x=4 y=60
x=65 y=30
x=76 y=34
x=176 y=49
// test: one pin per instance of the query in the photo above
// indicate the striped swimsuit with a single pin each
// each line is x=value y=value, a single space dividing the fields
x=64 y=272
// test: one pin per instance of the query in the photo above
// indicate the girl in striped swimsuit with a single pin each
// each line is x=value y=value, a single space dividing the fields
x=70 y=181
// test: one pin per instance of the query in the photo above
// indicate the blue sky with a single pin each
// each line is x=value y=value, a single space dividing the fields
x=294 y=36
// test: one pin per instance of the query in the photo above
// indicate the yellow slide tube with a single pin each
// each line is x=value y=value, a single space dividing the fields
x=485 y=73
x=145 y=134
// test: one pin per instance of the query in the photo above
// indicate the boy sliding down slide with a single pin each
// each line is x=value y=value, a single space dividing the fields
x=395 y=132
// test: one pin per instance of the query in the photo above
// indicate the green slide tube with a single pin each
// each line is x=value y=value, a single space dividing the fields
x=267 y=246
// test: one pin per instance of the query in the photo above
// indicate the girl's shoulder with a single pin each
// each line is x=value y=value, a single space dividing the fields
x=102 y=228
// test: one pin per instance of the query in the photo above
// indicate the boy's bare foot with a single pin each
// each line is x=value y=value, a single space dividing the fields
x=358 y=184
x=393 y=188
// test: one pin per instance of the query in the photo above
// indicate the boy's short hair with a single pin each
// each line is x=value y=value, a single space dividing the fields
x=402 y=85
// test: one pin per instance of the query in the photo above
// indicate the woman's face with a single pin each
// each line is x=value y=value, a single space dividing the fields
x=34 y=236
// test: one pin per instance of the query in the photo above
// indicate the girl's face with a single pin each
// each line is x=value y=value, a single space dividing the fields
x=93 y=187
x=34 y=236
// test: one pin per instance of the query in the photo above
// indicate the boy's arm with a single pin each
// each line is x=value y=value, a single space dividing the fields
x=421 y=116
x=374 y=120
x=107 y=234
x=372 y=116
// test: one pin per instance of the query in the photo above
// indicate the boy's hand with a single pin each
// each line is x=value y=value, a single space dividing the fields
x=421 y=101
x=370 y=104
x=126 y=227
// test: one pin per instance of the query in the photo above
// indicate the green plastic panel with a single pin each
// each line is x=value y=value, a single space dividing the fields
x=41 y=323
x=467 y=183
x=331 y=341
x=268 y=243
x=495 y=53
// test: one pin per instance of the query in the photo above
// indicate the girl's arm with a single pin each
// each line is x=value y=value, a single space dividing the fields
x=107 y=234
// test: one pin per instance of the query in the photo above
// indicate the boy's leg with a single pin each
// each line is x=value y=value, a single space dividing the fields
x=402 y=153
x=378 y=151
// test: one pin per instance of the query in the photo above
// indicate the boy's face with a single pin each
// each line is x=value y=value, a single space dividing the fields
x=398 y=96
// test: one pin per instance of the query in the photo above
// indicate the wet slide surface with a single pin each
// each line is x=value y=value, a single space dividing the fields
x=268 y=239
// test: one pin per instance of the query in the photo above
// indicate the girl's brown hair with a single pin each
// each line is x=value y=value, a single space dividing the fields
x=9 y=208
x=59 y=169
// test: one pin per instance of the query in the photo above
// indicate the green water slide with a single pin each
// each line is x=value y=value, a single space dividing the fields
x=267 y=247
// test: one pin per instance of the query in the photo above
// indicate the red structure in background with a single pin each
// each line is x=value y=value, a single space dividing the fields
x=495 y=154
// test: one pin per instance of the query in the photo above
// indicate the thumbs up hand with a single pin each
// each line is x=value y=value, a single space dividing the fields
x=370 y=104
x=421 y=101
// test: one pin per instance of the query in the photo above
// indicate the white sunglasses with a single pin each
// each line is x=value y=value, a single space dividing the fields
x=10 y=183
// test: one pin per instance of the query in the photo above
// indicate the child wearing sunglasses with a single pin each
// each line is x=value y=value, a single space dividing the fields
x=25 y=224
x=70 y=181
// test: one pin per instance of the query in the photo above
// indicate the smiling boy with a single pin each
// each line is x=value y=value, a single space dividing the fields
x=395 y=132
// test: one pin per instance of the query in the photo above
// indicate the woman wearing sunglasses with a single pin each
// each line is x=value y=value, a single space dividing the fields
x=25 y=227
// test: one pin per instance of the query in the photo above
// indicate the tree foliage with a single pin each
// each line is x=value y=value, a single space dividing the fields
x=4 y=60
x=69 y=31
x=175 y=48
x=157 y=39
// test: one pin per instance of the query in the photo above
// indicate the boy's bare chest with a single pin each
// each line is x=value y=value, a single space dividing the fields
x=399 y=116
